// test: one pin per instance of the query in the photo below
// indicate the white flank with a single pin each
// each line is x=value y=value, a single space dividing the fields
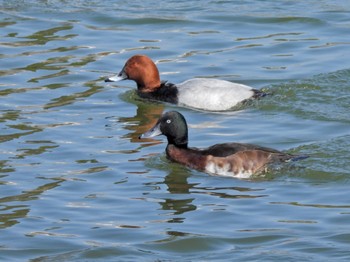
x=212 y=94
x=212 y=168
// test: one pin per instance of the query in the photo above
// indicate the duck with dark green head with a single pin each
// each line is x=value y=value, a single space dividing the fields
x=227 y=159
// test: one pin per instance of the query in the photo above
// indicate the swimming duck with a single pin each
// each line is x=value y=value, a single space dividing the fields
x=228 y=159
x=200 y=93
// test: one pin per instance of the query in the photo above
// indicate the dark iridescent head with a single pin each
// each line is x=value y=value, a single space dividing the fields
x=173 y=125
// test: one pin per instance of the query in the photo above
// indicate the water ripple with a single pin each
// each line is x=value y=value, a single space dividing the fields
x=76 y=179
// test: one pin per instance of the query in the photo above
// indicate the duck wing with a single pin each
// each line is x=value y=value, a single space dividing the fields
x=226 y=149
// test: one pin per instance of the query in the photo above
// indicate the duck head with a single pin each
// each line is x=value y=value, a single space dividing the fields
x=142 y=70
x=173 y=125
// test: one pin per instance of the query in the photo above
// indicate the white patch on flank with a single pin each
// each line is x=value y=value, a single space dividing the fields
x=212 y=94
x=211 y=167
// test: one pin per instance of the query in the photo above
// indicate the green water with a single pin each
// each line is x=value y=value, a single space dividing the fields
x=76 y=183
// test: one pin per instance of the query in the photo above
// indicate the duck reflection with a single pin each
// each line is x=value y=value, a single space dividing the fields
x=179 y=200
x=183 y=193
x=146 y=116
x=177 y=183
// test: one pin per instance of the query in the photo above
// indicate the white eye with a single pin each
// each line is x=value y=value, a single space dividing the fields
x=168 y=121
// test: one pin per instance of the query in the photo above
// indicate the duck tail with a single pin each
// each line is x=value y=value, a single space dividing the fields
x=259 y=93
x=297 y=158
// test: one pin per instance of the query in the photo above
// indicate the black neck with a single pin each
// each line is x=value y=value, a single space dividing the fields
x=167 y=92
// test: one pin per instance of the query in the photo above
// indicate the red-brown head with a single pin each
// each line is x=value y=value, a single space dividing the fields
x=142 y=70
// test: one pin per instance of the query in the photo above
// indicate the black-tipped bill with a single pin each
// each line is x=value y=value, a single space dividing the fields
x=121 y=76
x=154 y=131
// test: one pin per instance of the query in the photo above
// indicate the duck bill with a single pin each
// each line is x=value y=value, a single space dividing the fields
x=154 y=131
x=119 y=77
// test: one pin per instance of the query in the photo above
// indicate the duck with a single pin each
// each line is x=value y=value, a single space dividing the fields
x=227 y=159
x=199 y=93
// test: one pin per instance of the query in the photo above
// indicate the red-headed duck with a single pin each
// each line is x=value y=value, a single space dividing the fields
x=200 y=93
x=228 y=159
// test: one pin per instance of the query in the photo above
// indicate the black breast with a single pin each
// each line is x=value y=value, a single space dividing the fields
x=167 y=92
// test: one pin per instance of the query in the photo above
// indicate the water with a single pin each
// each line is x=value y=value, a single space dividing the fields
x=77 y=184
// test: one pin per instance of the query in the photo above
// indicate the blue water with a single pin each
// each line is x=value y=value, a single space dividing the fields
x=76 y=183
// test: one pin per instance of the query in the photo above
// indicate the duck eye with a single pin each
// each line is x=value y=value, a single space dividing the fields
x=168 y=121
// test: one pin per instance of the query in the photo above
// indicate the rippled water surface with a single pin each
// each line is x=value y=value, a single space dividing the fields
x=76 y=183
